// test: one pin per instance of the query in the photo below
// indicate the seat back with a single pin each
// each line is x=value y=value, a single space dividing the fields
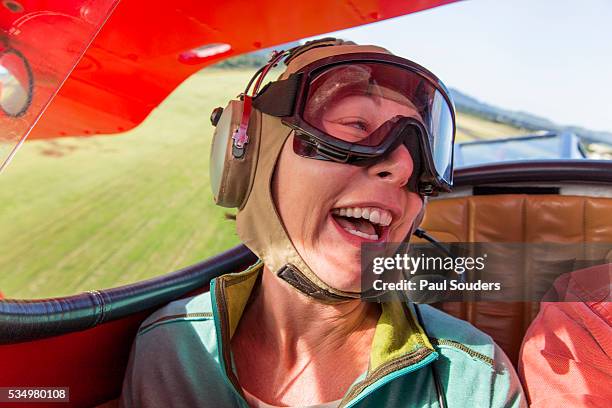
x=515 y=218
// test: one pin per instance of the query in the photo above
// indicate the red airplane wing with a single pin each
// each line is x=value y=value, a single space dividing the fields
x=142 y=52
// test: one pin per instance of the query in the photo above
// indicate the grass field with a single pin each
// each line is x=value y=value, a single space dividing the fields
x=90 y=213
x=471 y=127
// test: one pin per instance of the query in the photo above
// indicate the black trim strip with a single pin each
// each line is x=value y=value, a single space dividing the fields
x=531 y=190
x=25 y=320
x=582 y=171
x=175 y=317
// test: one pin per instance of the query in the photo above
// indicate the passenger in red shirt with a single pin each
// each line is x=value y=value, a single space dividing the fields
x=566 y=356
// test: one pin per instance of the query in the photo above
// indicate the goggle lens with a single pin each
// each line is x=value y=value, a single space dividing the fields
x=355 y=102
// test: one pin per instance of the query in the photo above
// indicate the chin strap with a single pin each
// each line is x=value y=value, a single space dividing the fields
x=302 y=283
x=294 y=277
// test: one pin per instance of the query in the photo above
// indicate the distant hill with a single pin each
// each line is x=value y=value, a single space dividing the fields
x=255 y=59
x=471 y=105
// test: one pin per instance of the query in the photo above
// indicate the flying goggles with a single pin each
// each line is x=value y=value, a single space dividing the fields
x=357 y=108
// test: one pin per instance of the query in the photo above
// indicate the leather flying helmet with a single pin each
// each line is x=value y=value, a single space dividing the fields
x=252 y=130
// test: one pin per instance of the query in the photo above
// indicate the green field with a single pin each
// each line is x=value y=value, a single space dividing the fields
x=90 y=213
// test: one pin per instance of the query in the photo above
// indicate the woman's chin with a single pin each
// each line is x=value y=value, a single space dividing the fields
x=347 y=278
x=340 y=267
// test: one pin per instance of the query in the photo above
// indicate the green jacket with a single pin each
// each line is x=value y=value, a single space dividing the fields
x=181 y=357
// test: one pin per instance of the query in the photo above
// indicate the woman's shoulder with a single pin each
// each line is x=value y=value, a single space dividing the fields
x=445 y=325
x=174 y=359
x=181 y=312
x=178 y=335
x=449 y=334
x=472 y=359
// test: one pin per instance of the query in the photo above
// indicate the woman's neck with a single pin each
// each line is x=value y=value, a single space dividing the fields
x=298 y=320
x=300 y=344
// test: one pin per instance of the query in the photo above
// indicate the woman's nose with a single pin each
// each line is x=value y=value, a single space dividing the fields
x=396 y=168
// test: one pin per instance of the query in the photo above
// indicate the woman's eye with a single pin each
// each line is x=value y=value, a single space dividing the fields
x=357 y=124
x=350 y=129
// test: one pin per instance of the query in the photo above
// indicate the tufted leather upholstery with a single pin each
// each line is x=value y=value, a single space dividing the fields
x=515 y=218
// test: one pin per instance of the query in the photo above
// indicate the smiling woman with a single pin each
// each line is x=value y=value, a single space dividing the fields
x=341 y=150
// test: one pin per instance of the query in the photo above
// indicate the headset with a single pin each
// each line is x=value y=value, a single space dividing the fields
x=233 y=156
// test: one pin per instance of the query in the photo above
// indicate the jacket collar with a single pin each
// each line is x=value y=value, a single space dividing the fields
x=399 y=343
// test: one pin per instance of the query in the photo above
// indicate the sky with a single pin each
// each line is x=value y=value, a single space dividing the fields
x=552 y=58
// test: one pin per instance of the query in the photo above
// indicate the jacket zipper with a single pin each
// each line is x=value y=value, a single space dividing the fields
x=388 y=372
x=474 y=354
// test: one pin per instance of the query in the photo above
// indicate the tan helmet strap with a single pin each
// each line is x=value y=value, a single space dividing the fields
x=302 y=283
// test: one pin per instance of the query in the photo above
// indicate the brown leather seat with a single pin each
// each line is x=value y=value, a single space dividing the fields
x=515 y=218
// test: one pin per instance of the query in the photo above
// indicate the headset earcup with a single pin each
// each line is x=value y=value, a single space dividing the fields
x=231 y=177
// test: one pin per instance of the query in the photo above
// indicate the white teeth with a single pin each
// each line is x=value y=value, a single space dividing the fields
x=362 y=234
x=375 y=215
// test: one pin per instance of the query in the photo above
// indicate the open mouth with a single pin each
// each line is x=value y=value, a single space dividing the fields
x=369 y=223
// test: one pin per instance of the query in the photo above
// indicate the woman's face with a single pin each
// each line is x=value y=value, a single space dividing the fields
x=330 y=209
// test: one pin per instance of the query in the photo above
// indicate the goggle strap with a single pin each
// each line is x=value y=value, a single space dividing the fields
x=278 y=98
x=309 y=45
